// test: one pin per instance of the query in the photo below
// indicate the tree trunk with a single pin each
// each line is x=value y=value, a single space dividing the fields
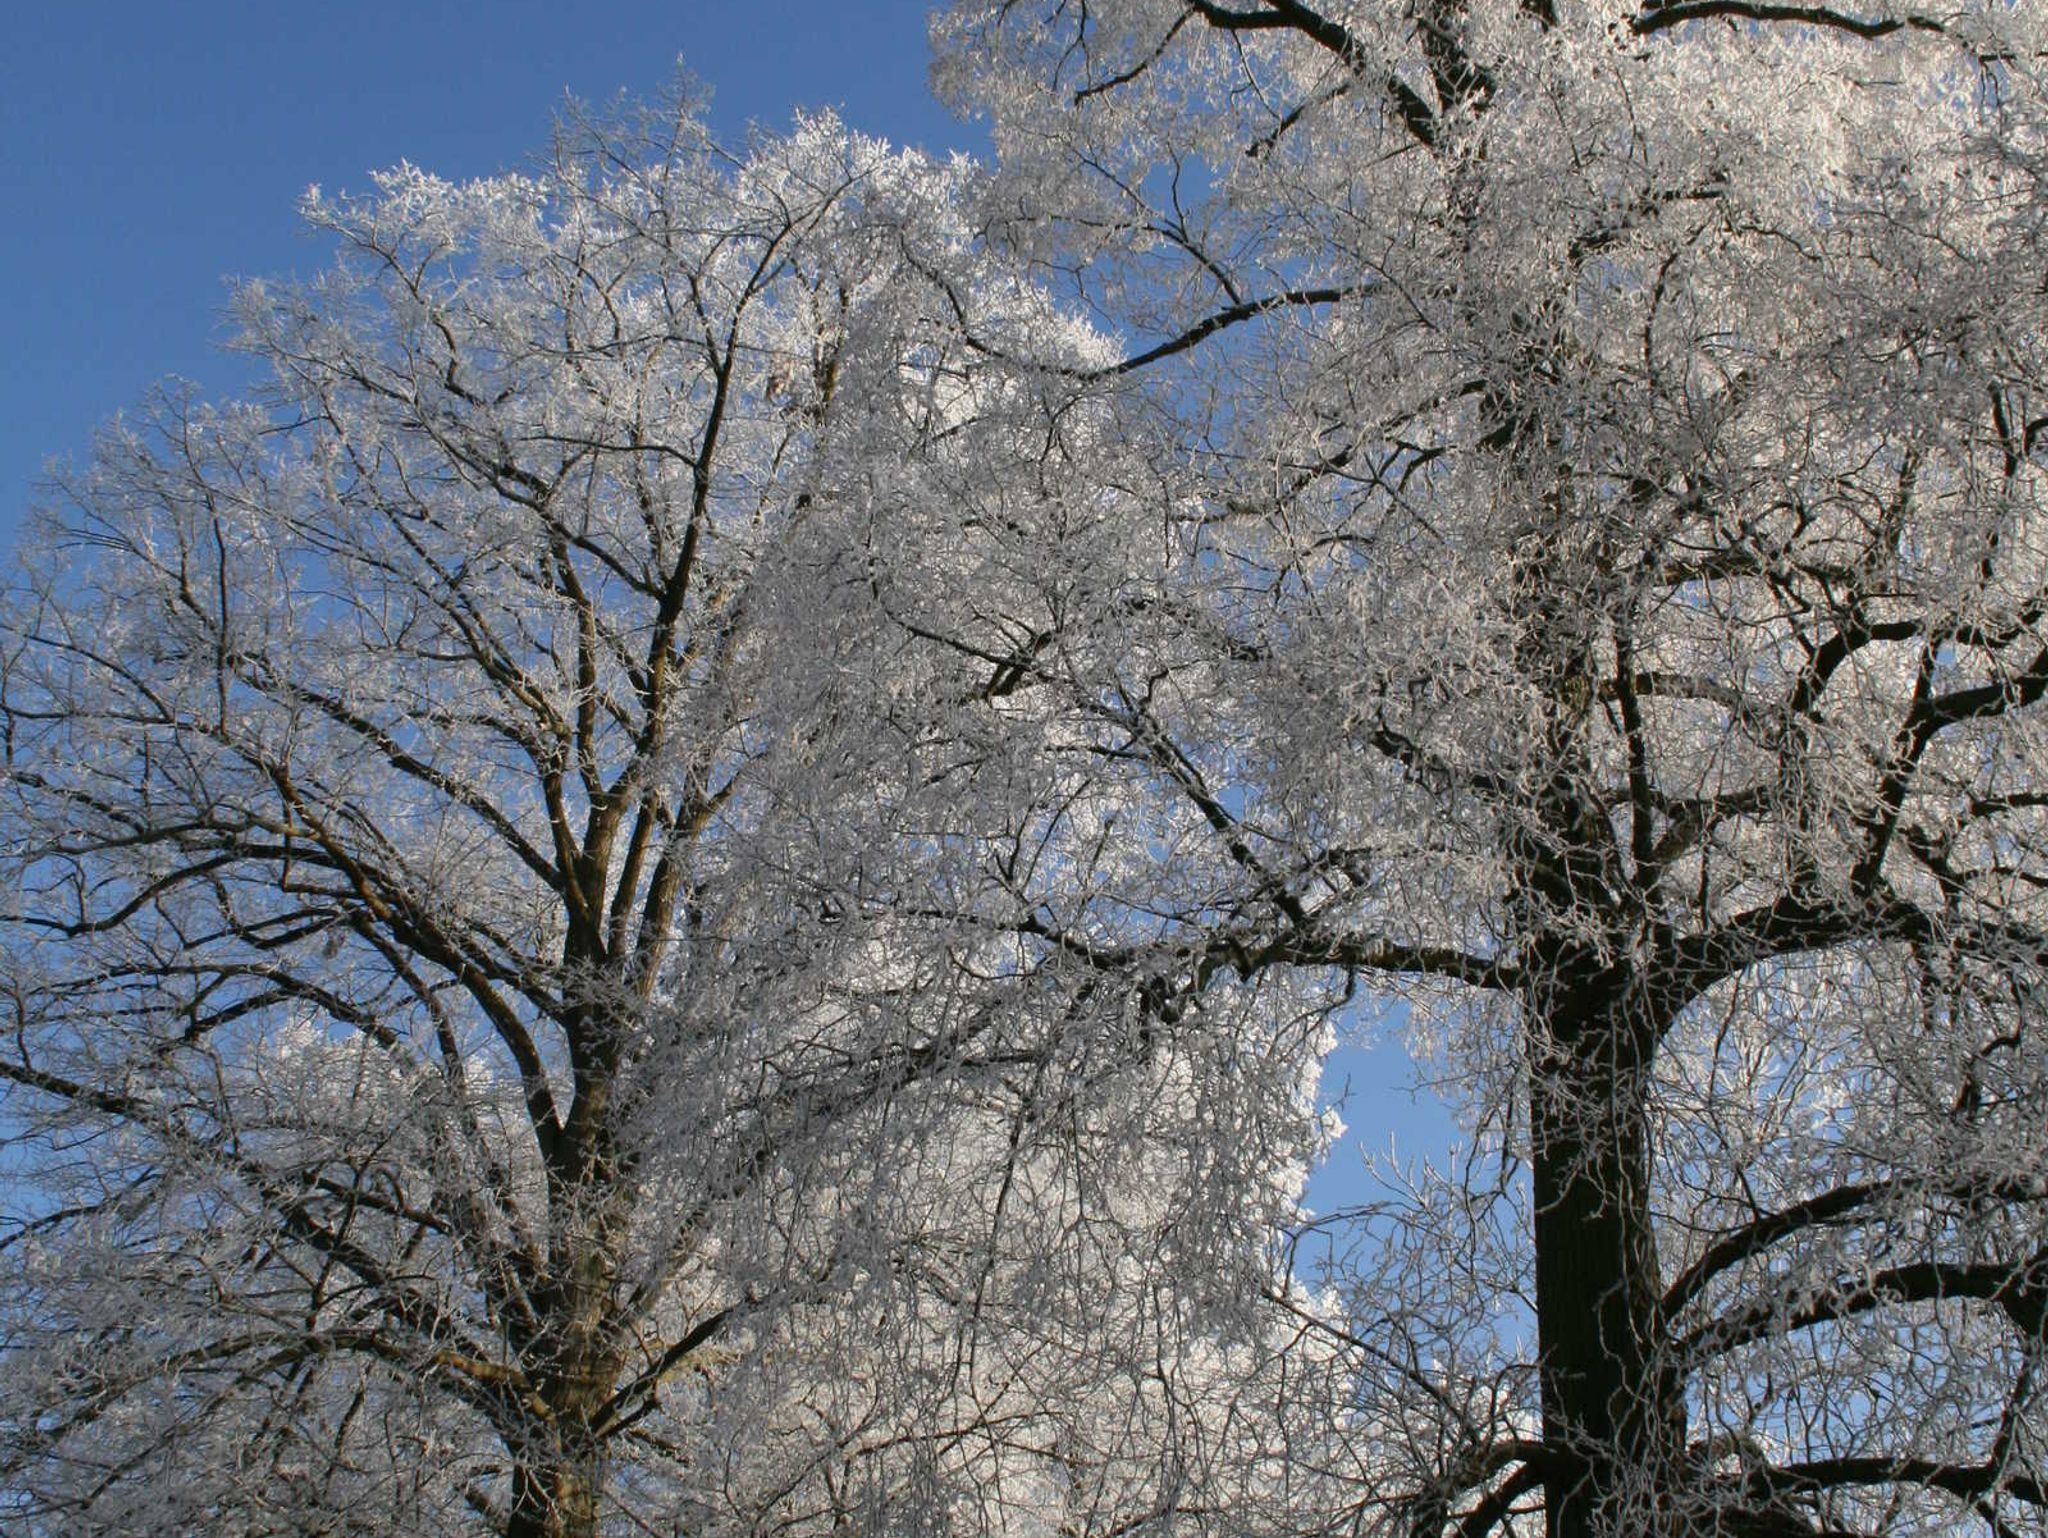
x=560 y=1465
x=557 y=1496
x=560 y=1458
x=1612 y=1412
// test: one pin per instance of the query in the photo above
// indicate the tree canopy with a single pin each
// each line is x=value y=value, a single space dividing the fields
x=694 y=880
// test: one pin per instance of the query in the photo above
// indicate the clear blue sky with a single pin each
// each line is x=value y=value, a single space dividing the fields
x=151 y=149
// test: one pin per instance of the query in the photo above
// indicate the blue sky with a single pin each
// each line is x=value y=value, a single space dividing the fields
x=151 y=151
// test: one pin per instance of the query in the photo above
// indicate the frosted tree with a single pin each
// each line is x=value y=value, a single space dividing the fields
x=504 y=1028
x=1597 y=460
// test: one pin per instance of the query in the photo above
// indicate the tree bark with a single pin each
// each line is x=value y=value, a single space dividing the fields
x=557 y=1497
x=560 y=1465
x=1612 y=1411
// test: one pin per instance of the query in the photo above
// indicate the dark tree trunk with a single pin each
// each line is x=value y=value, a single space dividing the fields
x=1612 y=1411
x=573 y=1360
x=557 y=1497
x=560 y=1465
x=1592 y=1015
